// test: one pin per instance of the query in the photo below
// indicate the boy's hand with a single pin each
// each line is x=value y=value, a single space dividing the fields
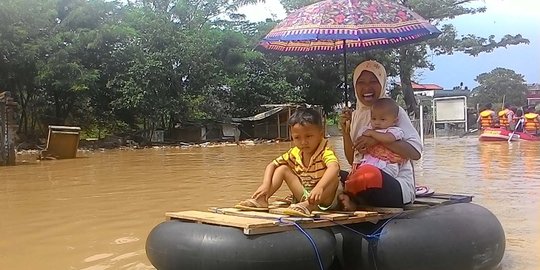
x=315 y=195
x=262 y=191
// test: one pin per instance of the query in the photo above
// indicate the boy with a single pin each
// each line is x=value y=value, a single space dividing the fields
x=310 y=169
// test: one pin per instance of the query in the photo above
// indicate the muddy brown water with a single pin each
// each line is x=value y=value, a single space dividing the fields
x=95 y=212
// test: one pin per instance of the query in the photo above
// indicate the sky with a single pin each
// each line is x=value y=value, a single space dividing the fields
x=502 y=17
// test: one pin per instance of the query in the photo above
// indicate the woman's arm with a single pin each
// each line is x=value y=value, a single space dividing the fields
x=410 y=146
x=386 y=137
x=345 y=123
x=404 y=149
x=348 y=144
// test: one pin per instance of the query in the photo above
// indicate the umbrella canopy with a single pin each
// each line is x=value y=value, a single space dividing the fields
x=332 y=26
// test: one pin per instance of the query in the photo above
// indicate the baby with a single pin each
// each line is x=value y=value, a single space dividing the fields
x=382 y=128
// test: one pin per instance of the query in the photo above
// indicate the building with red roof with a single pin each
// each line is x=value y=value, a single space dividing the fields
x=427 y=89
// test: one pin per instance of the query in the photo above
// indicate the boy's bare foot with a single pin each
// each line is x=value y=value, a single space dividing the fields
x=348 y=204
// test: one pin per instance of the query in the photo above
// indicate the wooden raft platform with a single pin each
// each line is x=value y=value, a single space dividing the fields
x=255 y=222
x=442 y=198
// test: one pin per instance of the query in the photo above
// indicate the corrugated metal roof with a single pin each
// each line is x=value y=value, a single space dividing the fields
x=260 y=116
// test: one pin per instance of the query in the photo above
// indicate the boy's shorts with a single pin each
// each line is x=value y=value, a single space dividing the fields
x=333 y=205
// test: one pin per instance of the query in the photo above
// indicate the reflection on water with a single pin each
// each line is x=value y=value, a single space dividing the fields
x=94 y=212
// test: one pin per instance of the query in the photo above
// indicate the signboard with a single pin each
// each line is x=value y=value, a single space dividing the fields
x=450 y=109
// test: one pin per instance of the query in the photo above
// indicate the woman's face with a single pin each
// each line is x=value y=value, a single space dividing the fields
x=368 y=89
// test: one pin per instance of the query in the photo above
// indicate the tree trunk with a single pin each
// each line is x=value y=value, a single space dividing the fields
x=405 y=74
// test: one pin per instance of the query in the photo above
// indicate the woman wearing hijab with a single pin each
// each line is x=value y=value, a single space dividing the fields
x=379 y=189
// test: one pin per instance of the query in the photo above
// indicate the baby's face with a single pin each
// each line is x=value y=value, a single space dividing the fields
x=382 y=118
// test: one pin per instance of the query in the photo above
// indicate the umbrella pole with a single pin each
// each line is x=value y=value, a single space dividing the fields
x=345 y=74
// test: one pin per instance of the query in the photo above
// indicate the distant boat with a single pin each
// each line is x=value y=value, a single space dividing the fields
x=501 y=134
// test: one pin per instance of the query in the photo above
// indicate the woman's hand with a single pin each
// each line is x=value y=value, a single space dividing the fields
x=369 y=133
x=345 y=120
x=363 y=142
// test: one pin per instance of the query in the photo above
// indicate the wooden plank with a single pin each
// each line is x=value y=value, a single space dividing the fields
x=262 y=222
x=243 y=213
x=365 y=213
x=359 y=213
x=431 y=201
x=280 y=211
x=443 y=198
x=219 y=219
x=331 y=215
x=452 y=197
x=383 y=210
x=316 y=224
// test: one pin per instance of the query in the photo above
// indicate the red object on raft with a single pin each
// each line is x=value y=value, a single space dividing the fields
x=501 y=134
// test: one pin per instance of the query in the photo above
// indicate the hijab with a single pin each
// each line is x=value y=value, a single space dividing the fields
x=362 y=115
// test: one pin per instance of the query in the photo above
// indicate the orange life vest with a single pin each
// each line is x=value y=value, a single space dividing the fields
x=531 y=122
x=503 y=118
x=486 y=118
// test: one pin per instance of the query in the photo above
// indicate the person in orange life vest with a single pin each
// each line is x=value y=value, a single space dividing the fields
x=532 y=121
x=487 y=117
x=506 y=117
x=518 y=116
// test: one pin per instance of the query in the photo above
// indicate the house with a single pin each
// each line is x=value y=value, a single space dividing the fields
x=270 y=124
x=428 y=90
x=452 y=93
x=204 y=131
x=533 y=94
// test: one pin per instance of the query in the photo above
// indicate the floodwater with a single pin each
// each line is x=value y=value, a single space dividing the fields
x=95 y=212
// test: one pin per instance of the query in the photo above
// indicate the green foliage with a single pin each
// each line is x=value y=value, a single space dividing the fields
x=121 y=66
x=499 y=83
x=407 y=59
x=439 y=11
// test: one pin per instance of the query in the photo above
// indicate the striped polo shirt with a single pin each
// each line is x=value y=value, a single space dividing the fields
x=313 y=172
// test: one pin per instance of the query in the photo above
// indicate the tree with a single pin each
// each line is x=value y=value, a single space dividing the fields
x=499 y=84
x=23 y=25
x=437 y=12
x=405 y=60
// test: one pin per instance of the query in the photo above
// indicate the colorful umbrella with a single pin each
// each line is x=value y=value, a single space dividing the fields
x=339 y=26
